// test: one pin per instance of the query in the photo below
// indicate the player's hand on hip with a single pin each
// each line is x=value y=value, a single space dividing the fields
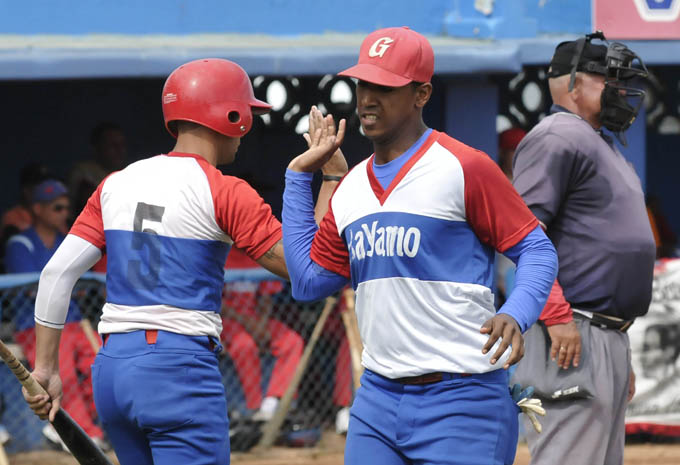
x=566 y=344
x=505 y=327
x=323 y=141
x=45 y=406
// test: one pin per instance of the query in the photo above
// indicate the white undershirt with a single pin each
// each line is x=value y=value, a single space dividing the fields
x=73 y=258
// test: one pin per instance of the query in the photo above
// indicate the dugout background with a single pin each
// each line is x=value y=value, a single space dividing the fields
x=50 y=121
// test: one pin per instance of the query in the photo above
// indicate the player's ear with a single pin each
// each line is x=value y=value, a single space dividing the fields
x=423 y=93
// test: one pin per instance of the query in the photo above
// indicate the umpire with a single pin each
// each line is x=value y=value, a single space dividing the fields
x=590 y=202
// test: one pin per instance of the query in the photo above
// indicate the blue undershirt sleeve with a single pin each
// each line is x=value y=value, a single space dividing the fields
x=309 y=281
x=536 y=261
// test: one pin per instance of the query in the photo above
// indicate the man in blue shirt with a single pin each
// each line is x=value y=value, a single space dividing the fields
x=29 y=252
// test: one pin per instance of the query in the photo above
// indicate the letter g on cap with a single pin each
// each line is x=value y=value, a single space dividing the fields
x=379 y=47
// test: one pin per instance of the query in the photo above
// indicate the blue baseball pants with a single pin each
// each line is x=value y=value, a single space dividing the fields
x=162 y=402
x=461 y=420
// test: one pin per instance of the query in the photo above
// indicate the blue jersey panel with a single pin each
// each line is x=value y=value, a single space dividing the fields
x=149 y=269
x=397 y=244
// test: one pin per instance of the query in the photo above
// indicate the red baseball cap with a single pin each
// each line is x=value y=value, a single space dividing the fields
x=393 y=57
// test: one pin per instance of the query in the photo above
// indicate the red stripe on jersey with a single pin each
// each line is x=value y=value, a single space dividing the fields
x=328 y=249
x=493 y=208
x=89 y=224
x=378 y=190
x=241 y=213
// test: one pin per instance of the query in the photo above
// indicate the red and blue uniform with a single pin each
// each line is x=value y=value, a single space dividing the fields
x=168 y=223
x=416 y=238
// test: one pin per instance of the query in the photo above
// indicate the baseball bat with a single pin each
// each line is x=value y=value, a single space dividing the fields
x=349 y=319
x=78 y=442
x=271 y=428
x=90 y=334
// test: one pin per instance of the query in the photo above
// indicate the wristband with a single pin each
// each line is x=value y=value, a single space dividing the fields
x=328 y=177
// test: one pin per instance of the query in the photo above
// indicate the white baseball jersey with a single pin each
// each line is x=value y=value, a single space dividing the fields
x=168 y=223
x=420 y=256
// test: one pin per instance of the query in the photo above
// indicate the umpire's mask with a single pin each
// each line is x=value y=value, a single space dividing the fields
x=620 y=103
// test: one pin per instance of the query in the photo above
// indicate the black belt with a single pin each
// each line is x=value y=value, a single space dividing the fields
x=606 y=323
x=429 y=378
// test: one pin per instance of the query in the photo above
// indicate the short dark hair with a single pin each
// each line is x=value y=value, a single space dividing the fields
x=97 y=133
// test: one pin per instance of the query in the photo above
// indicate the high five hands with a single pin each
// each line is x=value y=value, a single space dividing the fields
x=324 y=146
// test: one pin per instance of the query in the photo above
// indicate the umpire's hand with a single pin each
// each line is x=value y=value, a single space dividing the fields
x=505 y=327
x=566 y=344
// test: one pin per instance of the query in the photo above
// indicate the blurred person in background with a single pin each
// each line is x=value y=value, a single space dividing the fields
x=109 y=149
x=29 y=252
x=248 y=330
x=18 y=218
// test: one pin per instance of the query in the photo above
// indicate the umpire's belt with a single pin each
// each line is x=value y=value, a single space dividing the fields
x=429 y=378
x=604 y=322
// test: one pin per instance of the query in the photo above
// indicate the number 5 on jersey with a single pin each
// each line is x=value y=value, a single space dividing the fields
x=145 y=276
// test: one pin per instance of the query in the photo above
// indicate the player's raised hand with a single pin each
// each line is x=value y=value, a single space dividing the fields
x=323 y=141
x=336 y=165
x=505 y=327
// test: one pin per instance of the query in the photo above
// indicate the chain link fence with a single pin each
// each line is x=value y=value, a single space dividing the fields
x=264 y=334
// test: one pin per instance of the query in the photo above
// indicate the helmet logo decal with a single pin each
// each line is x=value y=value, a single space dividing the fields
x=379 y=47
x=169 y=98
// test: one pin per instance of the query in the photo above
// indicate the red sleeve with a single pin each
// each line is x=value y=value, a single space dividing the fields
x=89 y=224
x=328 y=249
x=557 y=310
x=244 y=216
x=493 y=208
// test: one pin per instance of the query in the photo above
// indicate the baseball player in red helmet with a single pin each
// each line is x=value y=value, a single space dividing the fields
x=167 y=223
x=414 y=227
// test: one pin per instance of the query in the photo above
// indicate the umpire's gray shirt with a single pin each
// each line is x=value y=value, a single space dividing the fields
x=588 y=195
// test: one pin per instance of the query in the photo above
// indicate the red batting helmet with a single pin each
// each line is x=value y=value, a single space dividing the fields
x=214 y=93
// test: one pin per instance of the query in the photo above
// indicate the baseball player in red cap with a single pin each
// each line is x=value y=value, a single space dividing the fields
x=167 y=223
x=414 y=227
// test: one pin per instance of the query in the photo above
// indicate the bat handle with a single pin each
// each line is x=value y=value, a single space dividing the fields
x=20 y=372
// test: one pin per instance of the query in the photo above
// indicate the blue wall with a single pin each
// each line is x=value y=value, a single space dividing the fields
x=458 y=18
